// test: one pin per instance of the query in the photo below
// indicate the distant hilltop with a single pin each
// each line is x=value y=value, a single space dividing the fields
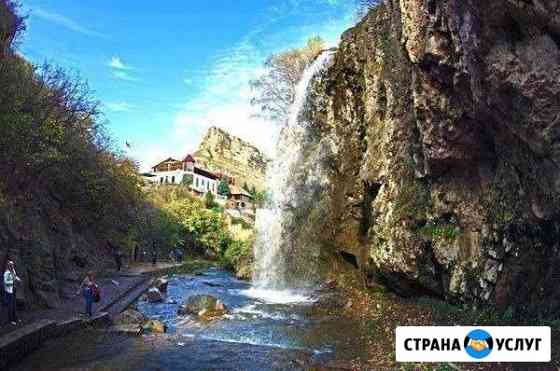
x=220 y=155
x=221 y=152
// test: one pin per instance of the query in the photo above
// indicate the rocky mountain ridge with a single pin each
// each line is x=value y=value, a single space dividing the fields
x=220 y=151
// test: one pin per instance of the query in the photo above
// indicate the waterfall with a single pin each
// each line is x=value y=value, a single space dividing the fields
x=275 y=264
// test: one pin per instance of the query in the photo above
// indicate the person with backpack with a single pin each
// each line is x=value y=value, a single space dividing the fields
x=10 y=278
x=90 y=291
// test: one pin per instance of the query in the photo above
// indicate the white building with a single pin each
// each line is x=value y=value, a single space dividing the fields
x=172 y=171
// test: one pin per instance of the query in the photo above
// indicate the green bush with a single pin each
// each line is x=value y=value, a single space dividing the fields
x=447 y=232
x=206 y=226
x=223 y=188
x=236 y=252
x=209 y=201
x=187 y=180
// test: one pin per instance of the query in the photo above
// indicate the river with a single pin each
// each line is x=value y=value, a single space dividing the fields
x=266 y=330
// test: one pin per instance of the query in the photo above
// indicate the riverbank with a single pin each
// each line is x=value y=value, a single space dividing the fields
x=119 y=290
x=380 y=311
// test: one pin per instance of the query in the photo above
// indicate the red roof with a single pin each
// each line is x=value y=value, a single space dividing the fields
x=189 y=158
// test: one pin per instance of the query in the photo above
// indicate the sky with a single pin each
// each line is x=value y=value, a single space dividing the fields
x=166 y=71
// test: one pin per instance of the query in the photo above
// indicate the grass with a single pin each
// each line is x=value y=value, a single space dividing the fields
x=447 y=232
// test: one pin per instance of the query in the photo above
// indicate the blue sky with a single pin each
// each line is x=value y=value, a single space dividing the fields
x=166 y=71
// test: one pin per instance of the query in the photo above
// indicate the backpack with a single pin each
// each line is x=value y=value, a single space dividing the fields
x=96 y=294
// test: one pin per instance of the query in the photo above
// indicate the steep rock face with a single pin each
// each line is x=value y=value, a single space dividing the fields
x=49 y=249
x=445 y=178
x=220 y=151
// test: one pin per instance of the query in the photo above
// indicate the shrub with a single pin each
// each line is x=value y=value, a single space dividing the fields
x=209 y=201
x=223 y=188
x=187 y=180
x=236 y=252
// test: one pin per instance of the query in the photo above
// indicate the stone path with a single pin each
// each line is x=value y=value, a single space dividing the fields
x=113 y=287
x=118 y=291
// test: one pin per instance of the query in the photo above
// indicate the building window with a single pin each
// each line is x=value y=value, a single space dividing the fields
x=160 y=180
x=196 y=182
x=173 y=179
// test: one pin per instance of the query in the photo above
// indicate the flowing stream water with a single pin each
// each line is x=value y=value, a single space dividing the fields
x=258 y=334
x=273 y=324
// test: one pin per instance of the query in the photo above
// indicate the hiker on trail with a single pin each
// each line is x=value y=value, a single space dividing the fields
x=88 y=289
x=10 y=278
x=116 y=255
x=135 y=254
x=154 y=254
x=118 y=260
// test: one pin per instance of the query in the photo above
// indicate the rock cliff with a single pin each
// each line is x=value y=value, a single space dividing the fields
x=220 y=151
x=442 y=124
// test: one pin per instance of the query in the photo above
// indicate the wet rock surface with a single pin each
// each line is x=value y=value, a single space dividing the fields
x=206 y=307
x=130 y=317
x=153 y=295
x=154 y=327
x=161 y=284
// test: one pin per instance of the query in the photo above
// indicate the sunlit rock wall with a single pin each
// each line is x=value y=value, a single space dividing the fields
x=442 y=120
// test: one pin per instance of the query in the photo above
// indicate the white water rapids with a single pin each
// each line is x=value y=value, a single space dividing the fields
x=271 y=271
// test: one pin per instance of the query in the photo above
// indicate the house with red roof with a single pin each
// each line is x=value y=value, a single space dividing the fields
x=172 y=171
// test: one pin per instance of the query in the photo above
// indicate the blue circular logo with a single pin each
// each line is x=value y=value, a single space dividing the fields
x=479 y=344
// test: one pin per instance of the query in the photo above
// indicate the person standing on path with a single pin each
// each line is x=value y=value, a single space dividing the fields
x=10 y=278
x=116 y=252
x=87 y=290
x=118 y=259
x=154 y=254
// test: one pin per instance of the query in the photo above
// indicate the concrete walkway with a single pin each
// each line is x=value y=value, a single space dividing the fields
x=113 y=287
x=118 y=291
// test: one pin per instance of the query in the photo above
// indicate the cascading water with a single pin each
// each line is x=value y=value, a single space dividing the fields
x=275 y=246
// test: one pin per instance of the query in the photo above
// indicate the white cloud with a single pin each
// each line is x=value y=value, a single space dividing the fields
x=65 y=22
x=119 y=106
x=226 y=102
x=225 y=97
x=118 y=64
x=122 y=75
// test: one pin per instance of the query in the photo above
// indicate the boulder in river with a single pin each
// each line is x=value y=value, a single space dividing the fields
x=130 y=317
x=204 y=306
x=129 y=329
x=212 y=284
x=161 y=284
x=154 y=295
x=154 y=327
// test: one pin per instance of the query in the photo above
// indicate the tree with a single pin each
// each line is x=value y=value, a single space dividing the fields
x=209 y=200
x=223 y=188
x=187 y=180
x=253 y=192
x=11 y=25
x=276 y=89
